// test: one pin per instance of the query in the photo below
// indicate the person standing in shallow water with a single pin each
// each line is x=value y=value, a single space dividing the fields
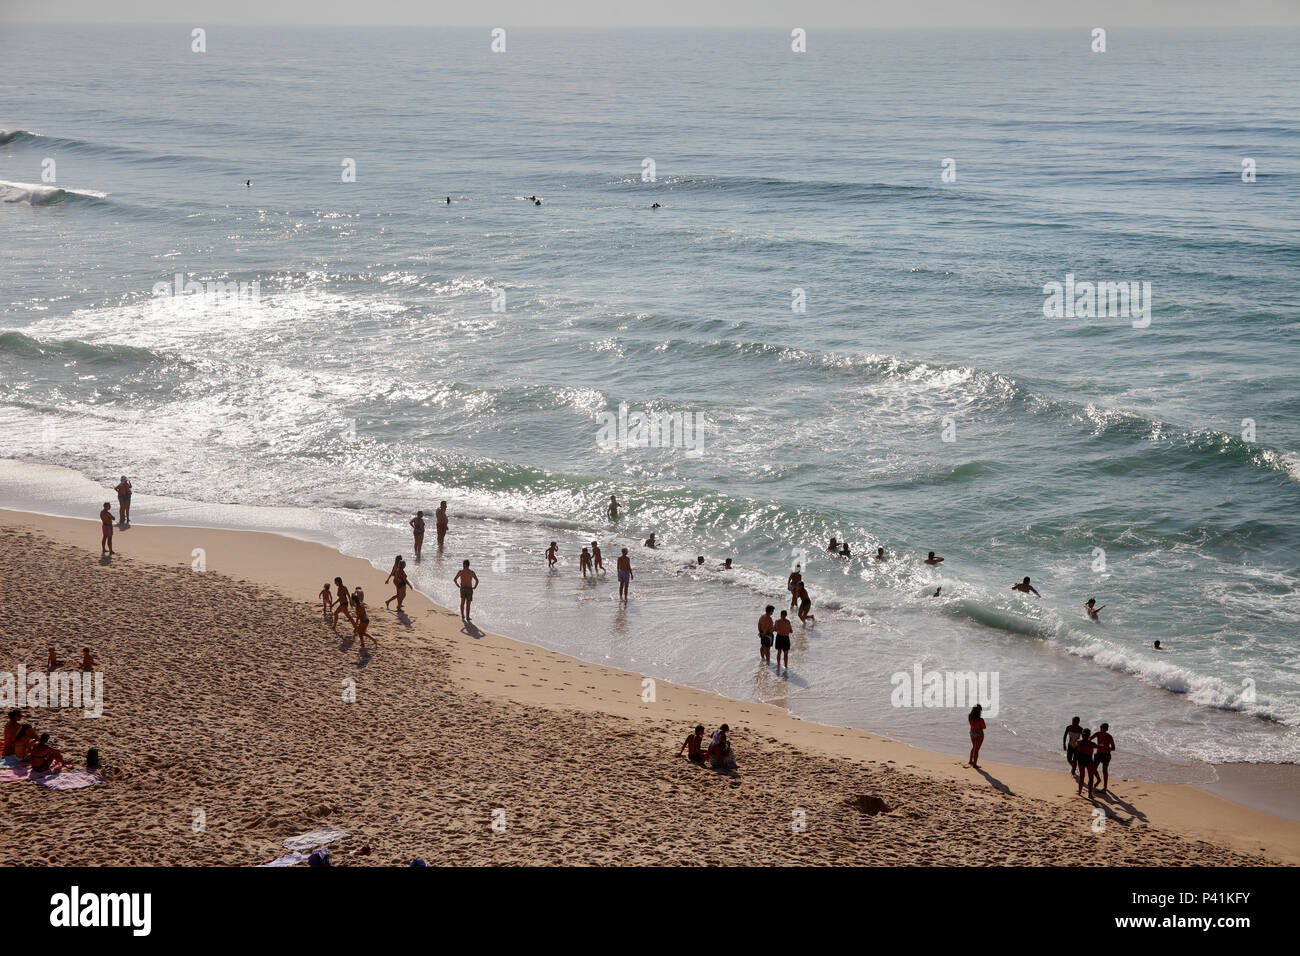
x=624 y=574
x=106 y=525
x=977 y=726
x=612 y=510
x=467 y=581
x=123 y=490
x=440 y=518
x=417 y=528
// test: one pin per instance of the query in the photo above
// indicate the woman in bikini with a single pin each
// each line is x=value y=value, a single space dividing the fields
x=976 y=734
x=1083 y=752
x=362 y=622
x=398 y=577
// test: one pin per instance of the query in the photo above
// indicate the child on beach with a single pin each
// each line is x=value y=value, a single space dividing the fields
x=552 y=555
x=694 y=744
x=362 y=624
x=597 y=562
x=326 y=599
x=106 y=521
x=584 y=561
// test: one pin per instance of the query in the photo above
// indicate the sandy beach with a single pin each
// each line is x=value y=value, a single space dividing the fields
x=225 y=704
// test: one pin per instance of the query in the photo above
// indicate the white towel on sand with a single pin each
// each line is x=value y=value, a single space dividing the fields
x=309 y=841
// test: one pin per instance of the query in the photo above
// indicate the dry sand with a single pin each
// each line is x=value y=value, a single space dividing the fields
x=224 y=694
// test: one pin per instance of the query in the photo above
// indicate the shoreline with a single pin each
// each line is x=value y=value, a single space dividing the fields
x=514 y=673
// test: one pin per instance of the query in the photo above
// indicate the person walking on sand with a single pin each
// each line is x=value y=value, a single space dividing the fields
x=597 y=561
x=417 y=528
x=784 y=628
x=467 y=581
x=1070 y=743
x=400 y=581
x=341 y=605
x=793 y=583
x=624 y=574
x=611 y=511
x=106 y=538
x=1090 y=606
x=440 y=519
x=1105 y=747
x=766 y=631
x=1025 y=587
x=1083 y=759
x=326 y=599
x=552 y=556
x=362 y=624
x=977 y=726
x=123 y=490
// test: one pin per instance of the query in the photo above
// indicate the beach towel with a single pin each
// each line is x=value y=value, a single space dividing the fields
x=70 y=779
x=289 y=859
x=11 y=773
x=310 y=841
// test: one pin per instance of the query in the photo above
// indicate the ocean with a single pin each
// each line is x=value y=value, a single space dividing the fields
x=839 y=318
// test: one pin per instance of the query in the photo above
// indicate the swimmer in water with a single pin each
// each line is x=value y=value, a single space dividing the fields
x=249 y=184
x=933 y=559
x=650 y=541
x=844 y=550
x=1026 y=588
x=612 y=509
x=1092 y=609
x=880 y=555
x=1158 y=647
x=725 y=565
x=656 y=206
x=936 y=591
x=833 y=546
x=448 y=200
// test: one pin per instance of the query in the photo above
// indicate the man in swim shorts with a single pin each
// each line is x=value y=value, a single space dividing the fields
x=624 y=574
x=441 y=520
x=766 y=631
x=597 y=561
x=467 y=581
x=1070 y=741
x=1026 y=588
x=783 y=629
x=694 y=745
x=106 y=522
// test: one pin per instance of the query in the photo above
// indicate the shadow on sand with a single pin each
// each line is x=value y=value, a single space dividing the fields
x=994 y=782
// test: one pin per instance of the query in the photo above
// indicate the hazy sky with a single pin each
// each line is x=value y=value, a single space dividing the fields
x=611 y=13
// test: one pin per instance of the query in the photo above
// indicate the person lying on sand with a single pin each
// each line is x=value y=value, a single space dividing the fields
x=1091 y=607
x=1026 y=588
x=44 y=756
x=695 y=745
x=87 y=662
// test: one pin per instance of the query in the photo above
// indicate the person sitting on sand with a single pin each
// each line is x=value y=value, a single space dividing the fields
x=13 y=726
x=24 y=740
x=721 y=756
x=1026 y=588
x=45 y=758
x=87 y=662
x=1105 y=747
x=584 y=561
x=467 y=581
x=341 y=605
x=694 y=744
x=784 y=628
x=400 y=581
x=52 y=662
x=361 y=626
x=1091 y=607
x=650 y=541
x=933 y=559
x=977 y=727
x=552 y=555
x=597 y=560
x=417 y=529
x=106 y=539
x=123 y=490
x=326 y=599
